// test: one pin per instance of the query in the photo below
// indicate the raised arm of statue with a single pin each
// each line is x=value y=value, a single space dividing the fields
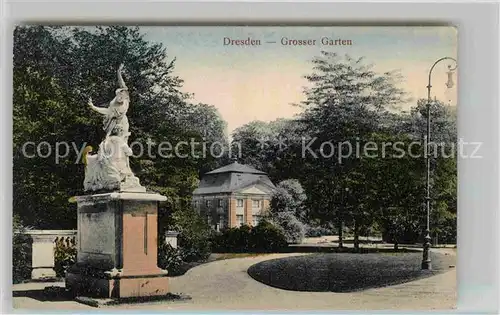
x=100 y=110
x=121 y=83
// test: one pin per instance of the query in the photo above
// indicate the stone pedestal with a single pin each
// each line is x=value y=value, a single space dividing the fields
x=117 y=247
x=171 y=238
x=42 y=256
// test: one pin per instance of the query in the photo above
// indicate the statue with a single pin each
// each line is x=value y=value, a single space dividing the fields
x=113 y=214
x=115 y=121
x=109 y=169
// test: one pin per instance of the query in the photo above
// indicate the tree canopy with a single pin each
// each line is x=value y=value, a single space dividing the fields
x=347 y=107
x=56 y=70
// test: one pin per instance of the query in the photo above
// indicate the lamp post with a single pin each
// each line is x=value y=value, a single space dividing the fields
x=426 y=260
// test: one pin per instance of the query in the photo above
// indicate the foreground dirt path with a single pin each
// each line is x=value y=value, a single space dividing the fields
x=225 y=285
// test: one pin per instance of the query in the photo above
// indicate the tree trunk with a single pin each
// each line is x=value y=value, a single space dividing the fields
x=340 y=228
x=396 y=245
x=356 y=235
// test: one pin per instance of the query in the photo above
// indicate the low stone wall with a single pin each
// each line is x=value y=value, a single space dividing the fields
x=43 y=248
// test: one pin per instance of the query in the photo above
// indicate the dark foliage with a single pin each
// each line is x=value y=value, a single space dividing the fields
x=64 y=255
x=264 y=237
x=317 y=231
x=21 y=252
x=55 y=71
x=170 y=258
x=194 y=238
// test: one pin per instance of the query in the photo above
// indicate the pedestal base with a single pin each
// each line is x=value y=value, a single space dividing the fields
x=426 y=265
x=98 y=284
x=117 y=247
x=39 y=273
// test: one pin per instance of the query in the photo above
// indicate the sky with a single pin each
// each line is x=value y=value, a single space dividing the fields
x=247 y=83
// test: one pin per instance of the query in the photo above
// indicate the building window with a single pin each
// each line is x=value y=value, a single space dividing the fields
x=239 y=203
x=256 y=220
x=208 y=203
x=209 y=219
x=221 y=224
x=239 y=219
x=195 y=203
x=220 y=202
x=255 y=203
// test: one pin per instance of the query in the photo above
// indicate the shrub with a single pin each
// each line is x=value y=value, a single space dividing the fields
x=397 y=230
x=194 y=237
x=317 y=231
x=170 y=258
x=446 y=232
x=293 y=229
x=289 y=196
x=370 y=230
x=235 y=240
x=264 y=237
x=64 y=255
x=21 y=252
x=287 y=210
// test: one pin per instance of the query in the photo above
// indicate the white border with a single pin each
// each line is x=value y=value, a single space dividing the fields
x=478 y=101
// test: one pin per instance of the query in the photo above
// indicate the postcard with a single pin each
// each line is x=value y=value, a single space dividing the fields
x=235 y=167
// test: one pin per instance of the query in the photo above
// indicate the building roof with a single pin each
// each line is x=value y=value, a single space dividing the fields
x=236 y=168
x=231 y=178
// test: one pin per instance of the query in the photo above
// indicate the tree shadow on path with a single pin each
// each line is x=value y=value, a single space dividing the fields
x=47 y=294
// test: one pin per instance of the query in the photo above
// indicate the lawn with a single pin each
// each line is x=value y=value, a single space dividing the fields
x=224 y=256
x=346 y=272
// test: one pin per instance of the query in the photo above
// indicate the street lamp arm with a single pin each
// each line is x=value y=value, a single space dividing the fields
x=432 y=68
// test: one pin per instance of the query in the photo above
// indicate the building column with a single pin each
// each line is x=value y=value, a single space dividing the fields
x=248 y=211
x=232 y=213
x=265 y=206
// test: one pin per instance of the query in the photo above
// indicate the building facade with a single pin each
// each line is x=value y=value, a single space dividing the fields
x=233 y=195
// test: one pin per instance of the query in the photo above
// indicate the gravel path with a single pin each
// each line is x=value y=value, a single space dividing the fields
x=226 y=285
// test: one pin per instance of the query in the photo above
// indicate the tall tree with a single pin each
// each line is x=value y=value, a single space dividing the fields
x=56 y=70
x=443 y=149
x=273 y=147
x=344 y=104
